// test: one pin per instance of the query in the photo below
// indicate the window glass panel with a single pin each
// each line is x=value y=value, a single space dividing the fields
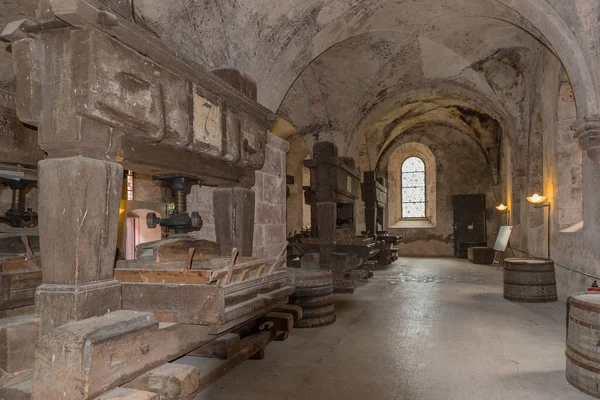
x=413 y=179
x=413 y=164
x=413 y=188
x=413 y=210
x=413 y=195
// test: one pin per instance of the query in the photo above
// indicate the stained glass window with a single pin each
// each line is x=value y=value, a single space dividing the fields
x=413 y=188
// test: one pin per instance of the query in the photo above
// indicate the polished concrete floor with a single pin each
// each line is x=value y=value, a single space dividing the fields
x=423 y=329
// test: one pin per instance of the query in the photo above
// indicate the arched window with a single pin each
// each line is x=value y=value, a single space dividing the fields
x=413 y=188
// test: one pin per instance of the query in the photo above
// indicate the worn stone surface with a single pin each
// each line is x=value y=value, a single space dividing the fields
x=423 y=329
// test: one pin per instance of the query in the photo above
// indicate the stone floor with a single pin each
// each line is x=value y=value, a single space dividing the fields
x=424 y=329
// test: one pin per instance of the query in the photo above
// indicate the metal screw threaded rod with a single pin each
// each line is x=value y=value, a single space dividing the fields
x=180 y=201
x=17 y=199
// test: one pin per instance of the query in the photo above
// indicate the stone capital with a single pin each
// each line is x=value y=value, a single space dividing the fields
x=587 y=131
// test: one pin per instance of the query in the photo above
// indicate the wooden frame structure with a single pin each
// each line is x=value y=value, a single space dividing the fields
x=106 y=95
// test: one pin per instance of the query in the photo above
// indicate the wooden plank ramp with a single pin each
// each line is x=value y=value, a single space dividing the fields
x=185 y=377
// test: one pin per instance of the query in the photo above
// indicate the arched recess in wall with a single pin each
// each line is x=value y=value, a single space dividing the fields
x=394 y=174
x=569 y=161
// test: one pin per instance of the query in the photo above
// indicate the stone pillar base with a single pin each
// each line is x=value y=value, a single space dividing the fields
x=59 y=304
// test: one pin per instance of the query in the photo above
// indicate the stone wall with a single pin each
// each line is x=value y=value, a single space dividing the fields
x=575 y=250
x=270 y=188
x=461 y=168
x=270 y=209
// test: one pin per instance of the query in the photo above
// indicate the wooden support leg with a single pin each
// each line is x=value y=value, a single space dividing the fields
x=259 y=355
x=234 y=219
x=222 y=348
x=17 y=343
x=78 y=217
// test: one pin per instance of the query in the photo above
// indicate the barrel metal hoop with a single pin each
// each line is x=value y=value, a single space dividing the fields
x=584 y=324
x=537 y=299
x=530 y=284
x=582 y=365
x=573 y=302
x=580 y=354
x=529 y=270
x=586 y=391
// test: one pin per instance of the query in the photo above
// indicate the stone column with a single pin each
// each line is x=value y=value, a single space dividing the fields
x=78 y=219
x=587 y=130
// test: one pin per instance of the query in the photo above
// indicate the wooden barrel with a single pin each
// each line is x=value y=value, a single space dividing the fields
x=314 y=293
x=529 y=280
x=583 y=342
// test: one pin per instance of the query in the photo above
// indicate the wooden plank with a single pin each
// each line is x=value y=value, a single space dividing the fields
x=222 y=348
x=162 y=276
x=212 y=369
x=296 y=311
x=218 y=329
x=84 y=359
x=282 y=321
x=168 y=381
x=135 y=154
x=128 y=394
x=182 y=303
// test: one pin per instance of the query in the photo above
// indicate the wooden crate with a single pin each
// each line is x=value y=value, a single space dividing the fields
x=19 y=278
x=213 y=292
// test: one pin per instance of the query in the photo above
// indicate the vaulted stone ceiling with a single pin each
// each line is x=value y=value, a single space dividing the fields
x=375 y=83
x=350 y=70
x=347 y=66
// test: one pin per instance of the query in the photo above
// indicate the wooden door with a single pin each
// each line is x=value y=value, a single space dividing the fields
x=469 y=219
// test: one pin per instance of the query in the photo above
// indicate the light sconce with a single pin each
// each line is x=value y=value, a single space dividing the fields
x=504 y=210
x=538 y=202
x=536 y=199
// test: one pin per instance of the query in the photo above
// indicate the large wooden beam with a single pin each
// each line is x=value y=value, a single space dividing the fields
x=100 y=15
x=84 y=359
x=78 y=216
x=18 y=142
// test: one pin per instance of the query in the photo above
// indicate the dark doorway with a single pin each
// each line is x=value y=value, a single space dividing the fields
x=469 y=222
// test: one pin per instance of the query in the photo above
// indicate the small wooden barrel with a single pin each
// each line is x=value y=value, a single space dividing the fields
x=314 y=293
x=529 y=280
x=583 y=342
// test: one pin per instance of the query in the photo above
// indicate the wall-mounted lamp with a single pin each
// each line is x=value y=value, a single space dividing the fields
x=504 y=210
x=538 y=202
x=536 y=199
